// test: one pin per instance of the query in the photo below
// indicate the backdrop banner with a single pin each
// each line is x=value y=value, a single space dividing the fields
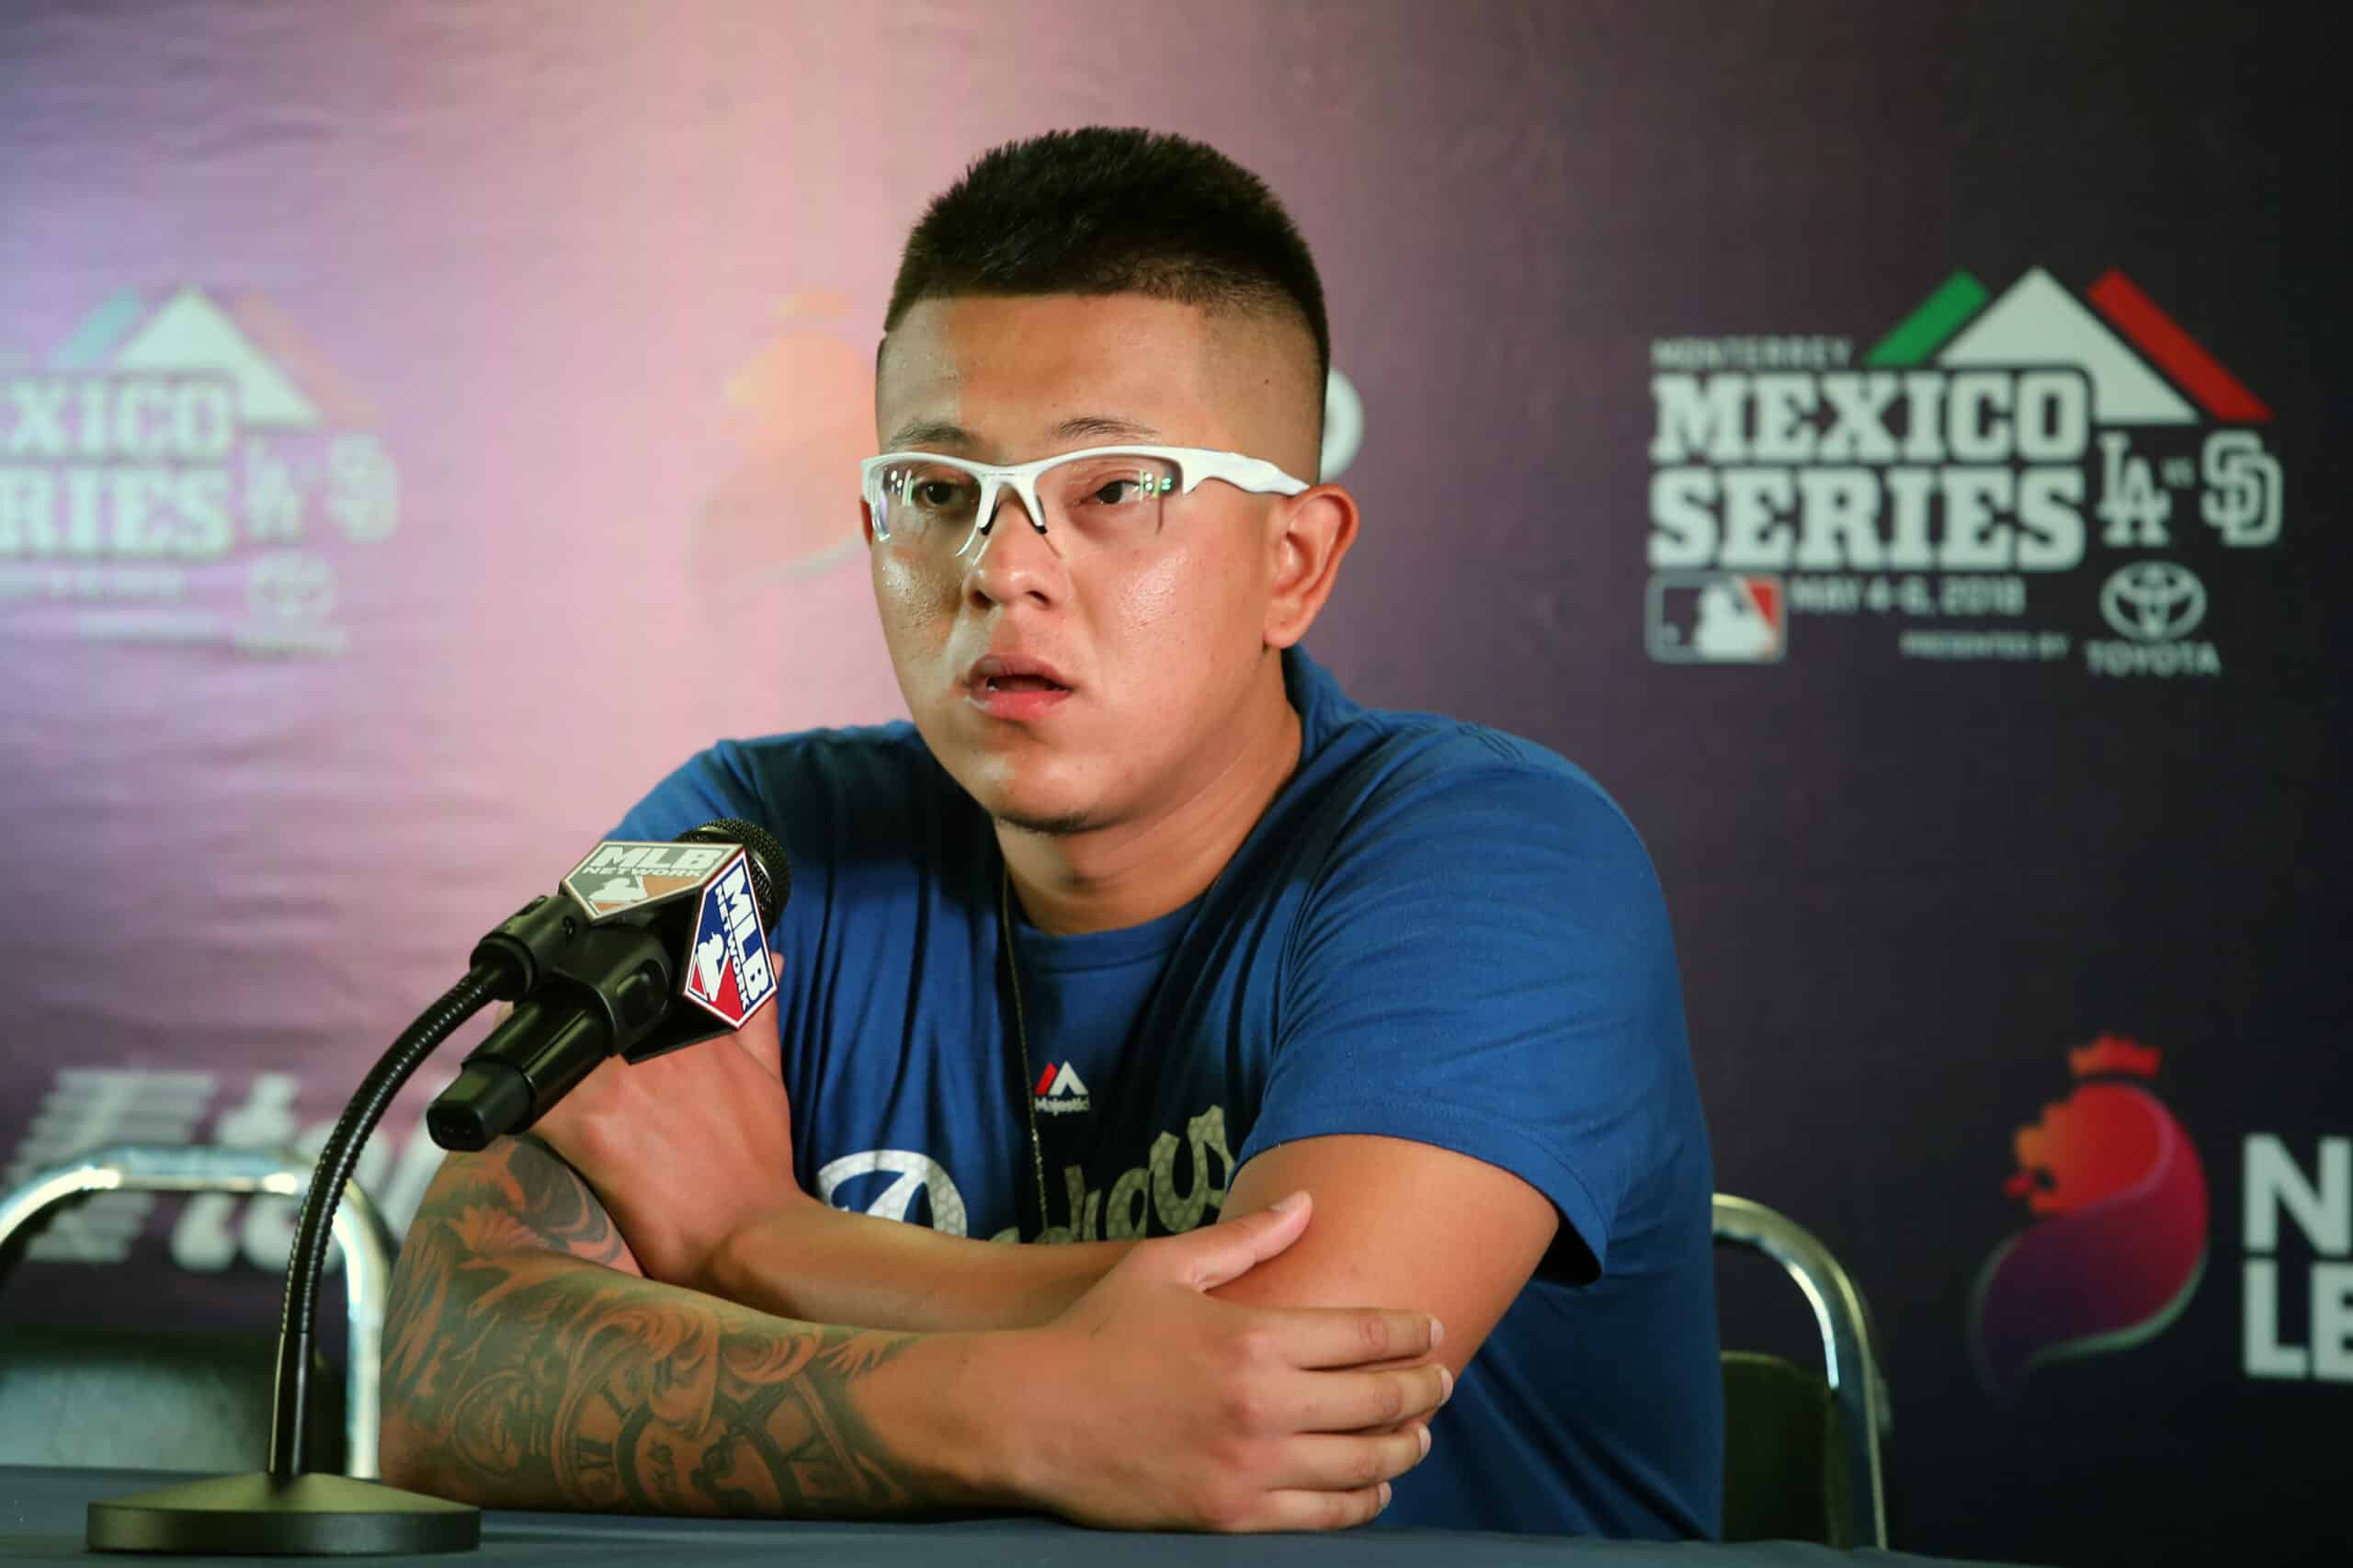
x=1888 y=446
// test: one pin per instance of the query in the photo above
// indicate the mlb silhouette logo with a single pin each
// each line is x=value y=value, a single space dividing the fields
x=1716 y=618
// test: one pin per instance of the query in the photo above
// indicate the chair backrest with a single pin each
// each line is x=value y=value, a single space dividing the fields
x=1800 y=1446
x=362 y=1236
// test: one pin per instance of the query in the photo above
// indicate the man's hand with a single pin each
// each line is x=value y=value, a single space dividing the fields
x=520 y=1373
x=684 y=1148
x=1148 y=1405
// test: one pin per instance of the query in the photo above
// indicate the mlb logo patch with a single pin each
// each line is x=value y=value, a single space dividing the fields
x=1718 y=617
x=728 y=972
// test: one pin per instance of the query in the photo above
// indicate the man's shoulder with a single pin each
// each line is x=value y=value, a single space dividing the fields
x=864 y=755
x=1428 y=756
x=1390 y=769
x=873 y=774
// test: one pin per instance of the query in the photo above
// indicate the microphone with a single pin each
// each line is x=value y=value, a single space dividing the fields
x=643 y=948
x=592 y=967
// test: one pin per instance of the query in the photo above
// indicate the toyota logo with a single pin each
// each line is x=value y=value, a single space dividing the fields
x=2153 y=601
x=291 y=585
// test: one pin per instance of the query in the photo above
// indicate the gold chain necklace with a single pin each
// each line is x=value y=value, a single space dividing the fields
x=1026 y=1087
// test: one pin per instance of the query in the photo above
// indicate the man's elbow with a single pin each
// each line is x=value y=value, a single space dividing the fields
x=399 y=1458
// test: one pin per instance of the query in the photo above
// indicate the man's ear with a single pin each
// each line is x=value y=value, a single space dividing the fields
x=1307 y=535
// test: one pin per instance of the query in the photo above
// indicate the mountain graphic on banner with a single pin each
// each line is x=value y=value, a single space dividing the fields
x=192 y=333
x=2039 y=323
x=338 y=401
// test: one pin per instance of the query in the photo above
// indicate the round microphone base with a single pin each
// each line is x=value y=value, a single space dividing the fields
x=259 y=1515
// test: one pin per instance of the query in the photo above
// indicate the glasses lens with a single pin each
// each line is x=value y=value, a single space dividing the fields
x=925 y=504
x=1108 y=497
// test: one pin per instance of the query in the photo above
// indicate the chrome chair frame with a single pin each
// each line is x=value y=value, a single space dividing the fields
x=1849 y=1354
x=360 y=1234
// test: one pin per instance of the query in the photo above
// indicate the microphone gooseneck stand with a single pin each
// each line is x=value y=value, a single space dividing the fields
x=282 y=1510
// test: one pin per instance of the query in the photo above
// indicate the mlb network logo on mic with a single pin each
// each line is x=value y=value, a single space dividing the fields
x=728 y=973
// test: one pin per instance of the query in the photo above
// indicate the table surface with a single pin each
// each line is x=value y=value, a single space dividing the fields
x=42 y=1516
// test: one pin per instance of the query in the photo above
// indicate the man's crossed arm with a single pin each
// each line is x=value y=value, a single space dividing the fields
x=527 y=1364
x=536 y=1360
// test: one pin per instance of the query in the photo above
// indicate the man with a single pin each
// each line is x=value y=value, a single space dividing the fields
x=1141 y=926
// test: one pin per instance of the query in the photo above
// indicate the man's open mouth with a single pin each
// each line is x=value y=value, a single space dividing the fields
x=1013 y=674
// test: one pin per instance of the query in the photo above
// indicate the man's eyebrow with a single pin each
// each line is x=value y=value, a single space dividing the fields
x=941 y=433
x=1102 y=425
x=933 y=432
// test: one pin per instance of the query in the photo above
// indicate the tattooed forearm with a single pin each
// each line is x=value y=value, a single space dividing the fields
x=520 y=1373
x=559 y=1207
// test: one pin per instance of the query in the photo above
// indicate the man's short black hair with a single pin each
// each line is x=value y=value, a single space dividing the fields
x=1114 y=211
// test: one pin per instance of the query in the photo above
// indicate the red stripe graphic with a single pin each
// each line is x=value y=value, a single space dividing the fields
x=2156 y=335
x=1045 y=1080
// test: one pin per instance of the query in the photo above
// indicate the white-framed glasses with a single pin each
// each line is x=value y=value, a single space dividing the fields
x=928 y=502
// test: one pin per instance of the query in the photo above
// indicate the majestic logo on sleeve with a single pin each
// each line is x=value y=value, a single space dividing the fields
x=1957 y=479
x=2120 y=1245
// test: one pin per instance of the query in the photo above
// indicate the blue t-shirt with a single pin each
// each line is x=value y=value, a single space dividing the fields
x=1435 y=932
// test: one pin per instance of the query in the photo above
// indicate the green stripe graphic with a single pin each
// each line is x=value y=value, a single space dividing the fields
x=1924 y=331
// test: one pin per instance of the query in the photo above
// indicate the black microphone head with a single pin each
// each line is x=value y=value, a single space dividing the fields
x=771 y=875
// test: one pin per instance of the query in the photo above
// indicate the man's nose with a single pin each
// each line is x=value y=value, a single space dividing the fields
x=1013 y=560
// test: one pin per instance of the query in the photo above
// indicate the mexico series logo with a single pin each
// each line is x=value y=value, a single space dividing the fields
x=2117 y=1245
x=2022 y=478
x=186 y=468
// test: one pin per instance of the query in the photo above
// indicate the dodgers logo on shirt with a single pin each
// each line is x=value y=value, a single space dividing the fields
x=728 y=974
